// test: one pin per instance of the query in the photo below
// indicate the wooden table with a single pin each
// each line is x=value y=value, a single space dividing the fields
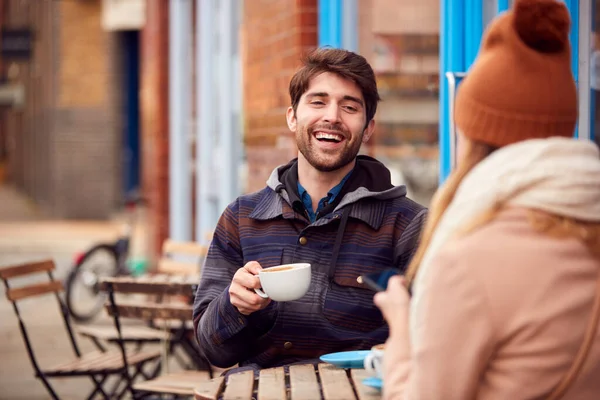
x=304 y=382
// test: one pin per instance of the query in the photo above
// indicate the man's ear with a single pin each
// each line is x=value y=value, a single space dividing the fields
x=290 y=116
x=368 y=131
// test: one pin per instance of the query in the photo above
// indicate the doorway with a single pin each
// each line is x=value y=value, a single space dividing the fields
x=131 y=111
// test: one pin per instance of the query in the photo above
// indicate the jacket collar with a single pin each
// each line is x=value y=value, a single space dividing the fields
x=273 y=205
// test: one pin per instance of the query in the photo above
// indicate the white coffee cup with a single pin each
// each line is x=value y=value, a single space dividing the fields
x=284 y=282
x=374 y=361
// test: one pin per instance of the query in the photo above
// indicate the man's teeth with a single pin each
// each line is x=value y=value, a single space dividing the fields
x=330 y=136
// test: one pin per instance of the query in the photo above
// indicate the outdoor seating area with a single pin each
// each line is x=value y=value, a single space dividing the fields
x=299 y=199
x=151 y=317
x=132 y=360
x=112 y=372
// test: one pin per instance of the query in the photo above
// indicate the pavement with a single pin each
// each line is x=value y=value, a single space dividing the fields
x=25 y=236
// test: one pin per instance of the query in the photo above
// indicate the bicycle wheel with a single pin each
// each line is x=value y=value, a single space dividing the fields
x=83 y=295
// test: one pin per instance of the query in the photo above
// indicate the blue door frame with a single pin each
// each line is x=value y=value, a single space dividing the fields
x=462 y=25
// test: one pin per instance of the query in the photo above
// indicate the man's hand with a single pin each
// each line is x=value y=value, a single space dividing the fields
x=241 y=290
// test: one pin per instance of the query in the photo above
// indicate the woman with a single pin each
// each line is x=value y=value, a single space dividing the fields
x=506 y=277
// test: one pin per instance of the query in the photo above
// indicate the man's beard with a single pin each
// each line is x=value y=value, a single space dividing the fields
x=328 y=162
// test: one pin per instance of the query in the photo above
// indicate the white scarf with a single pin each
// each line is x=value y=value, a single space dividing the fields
x=557 y=175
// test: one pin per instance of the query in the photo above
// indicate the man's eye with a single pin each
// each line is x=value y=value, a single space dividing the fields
x=350 y=109
x=317 y=102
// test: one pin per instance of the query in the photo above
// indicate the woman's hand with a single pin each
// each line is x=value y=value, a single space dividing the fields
x=394 y=303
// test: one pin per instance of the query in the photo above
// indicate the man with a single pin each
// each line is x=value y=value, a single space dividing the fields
x=330 y=208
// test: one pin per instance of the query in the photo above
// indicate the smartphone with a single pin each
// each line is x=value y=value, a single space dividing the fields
x=378 y=281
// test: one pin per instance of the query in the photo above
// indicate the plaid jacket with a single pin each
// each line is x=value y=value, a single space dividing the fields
x=337 y=314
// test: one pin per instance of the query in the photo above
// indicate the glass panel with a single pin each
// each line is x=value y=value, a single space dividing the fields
x=401 y=41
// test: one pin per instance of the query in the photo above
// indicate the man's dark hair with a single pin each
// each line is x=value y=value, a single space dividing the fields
x=344 y=63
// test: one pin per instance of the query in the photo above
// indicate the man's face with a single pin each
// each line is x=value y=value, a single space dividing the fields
x=329 y=122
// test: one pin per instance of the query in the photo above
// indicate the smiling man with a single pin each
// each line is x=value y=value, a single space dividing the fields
x=329 y=207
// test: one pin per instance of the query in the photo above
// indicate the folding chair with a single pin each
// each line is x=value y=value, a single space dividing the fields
x=97 y=366
x=178 y=258
x=158 y=287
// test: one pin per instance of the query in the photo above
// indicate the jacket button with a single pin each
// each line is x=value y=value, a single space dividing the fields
x=287 y=345
x=303 y=240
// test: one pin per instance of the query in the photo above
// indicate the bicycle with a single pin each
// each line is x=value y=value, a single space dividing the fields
x=84 y=297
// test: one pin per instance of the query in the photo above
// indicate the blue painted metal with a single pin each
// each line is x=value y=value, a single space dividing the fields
x=473 y=29
x=452 y=59
x=330 y=23
x=502 y=5
x=594 y=92
x=573 y=6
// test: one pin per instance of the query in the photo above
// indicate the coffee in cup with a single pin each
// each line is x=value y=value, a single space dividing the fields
x=278 y=269
x=284 y=282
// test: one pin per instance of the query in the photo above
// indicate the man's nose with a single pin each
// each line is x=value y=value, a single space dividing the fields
x=332 y=114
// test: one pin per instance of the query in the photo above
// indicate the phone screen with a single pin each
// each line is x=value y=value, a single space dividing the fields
x=378 y=280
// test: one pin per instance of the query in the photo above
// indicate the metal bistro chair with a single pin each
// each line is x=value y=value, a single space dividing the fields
x=97 y=366
x=178 y=259
x=157 y=287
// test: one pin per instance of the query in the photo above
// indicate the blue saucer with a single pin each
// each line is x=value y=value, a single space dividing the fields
x=346 y=359
x=373 y=382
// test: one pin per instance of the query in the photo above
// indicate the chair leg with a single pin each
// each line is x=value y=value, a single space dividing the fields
x=49 y=387
x=98 y=344
x=139 y=370
x=98 y=382
x=115 y=388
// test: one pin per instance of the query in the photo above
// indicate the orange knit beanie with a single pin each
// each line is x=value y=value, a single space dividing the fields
x=521 y=85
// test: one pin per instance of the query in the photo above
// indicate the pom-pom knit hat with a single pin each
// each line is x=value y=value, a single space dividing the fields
x=521 y=85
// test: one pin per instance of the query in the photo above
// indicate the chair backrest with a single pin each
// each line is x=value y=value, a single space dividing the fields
x=15 y=294
x=153 y=306
x=181 y=258
x=27 y=290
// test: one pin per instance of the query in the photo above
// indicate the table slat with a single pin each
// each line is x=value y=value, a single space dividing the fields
x=364 y=392
x=303 y=382
x=209 y=390
x=239 y=386
x=271 y=384
x=335 y=383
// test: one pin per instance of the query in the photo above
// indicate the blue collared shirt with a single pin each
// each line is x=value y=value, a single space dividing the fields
x=331 y=195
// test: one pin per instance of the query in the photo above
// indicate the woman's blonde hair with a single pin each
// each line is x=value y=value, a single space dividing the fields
x=553 y=225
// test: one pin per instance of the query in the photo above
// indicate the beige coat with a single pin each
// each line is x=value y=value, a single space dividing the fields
x=503 y=319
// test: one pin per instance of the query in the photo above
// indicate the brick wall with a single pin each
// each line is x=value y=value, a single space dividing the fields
x=87 y=126
x=64 y=146
x=28 y=129
x=275 y=35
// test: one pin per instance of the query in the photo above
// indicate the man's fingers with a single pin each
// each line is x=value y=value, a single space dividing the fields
x=246 y=296
x=246 y=279
x=241 y=293
x=246 y=301
x=253 y=267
